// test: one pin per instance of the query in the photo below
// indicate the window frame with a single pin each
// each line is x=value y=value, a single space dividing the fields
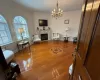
x=23 y=24
x=6 y=30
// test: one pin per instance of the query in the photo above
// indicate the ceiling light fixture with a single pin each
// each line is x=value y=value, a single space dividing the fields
x=57 y=12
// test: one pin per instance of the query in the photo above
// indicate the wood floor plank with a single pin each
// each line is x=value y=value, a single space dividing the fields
x=45 y=61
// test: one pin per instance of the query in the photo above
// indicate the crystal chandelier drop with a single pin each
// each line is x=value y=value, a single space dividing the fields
x=57 y=12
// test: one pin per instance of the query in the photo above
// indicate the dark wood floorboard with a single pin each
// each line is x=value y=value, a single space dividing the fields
x=45 y=61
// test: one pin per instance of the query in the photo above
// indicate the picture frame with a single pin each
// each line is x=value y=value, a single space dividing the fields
x=66 y=21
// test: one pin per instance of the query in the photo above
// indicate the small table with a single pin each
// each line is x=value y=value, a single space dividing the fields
x=66 y=39
x=22 y=44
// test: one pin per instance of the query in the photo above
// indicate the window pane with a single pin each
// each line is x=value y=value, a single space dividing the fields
x=5 y=39
x=3 y=33
x=2 y=26
x=5 y=36
x=20 y=22
x=1 y=41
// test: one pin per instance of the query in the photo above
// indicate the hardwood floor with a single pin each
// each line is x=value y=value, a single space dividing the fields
x=45 y=61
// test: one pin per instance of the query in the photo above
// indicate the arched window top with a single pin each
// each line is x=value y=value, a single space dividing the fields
x=2 y=19
x=19 y=20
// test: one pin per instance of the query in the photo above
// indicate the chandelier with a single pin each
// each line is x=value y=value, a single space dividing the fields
x=57 y=12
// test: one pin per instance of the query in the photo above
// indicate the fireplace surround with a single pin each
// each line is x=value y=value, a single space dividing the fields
x=44 y=34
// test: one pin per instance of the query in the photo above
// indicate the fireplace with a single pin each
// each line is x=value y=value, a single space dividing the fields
x=44 y=37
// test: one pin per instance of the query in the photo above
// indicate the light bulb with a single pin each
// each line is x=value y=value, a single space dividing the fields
x=54 y=10
x=59 y=9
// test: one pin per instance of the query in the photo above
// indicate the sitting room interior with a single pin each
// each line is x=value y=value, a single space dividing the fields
x=49 y=39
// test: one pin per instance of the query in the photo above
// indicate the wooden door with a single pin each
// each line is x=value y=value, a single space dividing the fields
x=92 y=62
x=84 y=28
x=87 y=53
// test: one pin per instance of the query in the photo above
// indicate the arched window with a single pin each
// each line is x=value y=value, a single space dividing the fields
x=5 y=36
x=20 y=22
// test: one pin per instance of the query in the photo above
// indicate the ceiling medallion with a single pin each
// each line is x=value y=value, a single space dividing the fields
x=57 y=12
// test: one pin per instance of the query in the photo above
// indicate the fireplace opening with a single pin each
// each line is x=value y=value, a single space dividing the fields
x=44 y=37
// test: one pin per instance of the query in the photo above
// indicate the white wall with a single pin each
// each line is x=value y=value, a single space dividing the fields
x=58 y=25
x=40 y=15
x=9 y=10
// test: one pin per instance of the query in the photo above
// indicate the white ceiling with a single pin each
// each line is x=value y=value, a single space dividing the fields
x=49 y=5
